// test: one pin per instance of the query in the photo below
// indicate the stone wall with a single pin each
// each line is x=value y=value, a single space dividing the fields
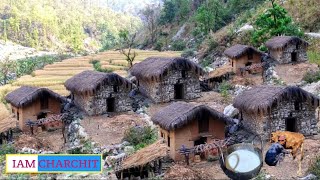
x=285 y=57
x=306 y=121
x=97 y=104
x=164 y=91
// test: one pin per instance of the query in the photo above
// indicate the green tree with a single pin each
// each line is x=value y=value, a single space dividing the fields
x=274 y=22
x=127 y=41
x=211 y=16
x=168 y=12
x=7 y=66
x=183 y=10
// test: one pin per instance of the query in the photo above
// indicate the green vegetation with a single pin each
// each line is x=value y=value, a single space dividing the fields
x=311 y=77
x=224 y=89
x=62 y=25
x=274 y=22
x=140 y=137
x=97 y=66
x=314 y=57
x=178 y=45
x=6 y=149
x=315 y=167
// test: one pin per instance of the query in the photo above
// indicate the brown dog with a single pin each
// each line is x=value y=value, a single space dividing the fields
x=293 y=141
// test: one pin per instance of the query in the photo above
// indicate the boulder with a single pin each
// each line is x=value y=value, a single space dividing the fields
x=230 y=111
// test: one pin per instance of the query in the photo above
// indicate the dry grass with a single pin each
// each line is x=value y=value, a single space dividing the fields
x=54 y=75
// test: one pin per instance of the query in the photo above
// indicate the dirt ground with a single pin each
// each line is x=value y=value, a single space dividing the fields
x=51 y=141
x=248 y=80
x=293 y=73
x=286 y=170
x=110 y=130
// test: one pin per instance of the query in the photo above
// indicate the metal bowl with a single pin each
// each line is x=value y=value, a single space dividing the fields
x=239 y=175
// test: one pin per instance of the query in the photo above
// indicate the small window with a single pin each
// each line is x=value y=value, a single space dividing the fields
x=161 y=134
x=18 y=116
x=168 y=141
x=232 y=63
x=12 y=110
x=183 y=74
x=296 y=105
x=115 y=88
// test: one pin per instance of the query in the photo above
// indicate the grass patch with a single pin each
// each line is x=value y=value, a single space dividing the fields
x=314 y=57
x=311 y=77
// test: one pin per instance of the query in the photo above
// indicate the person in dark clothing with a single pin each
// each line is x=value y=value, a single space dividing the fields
x=276 y=152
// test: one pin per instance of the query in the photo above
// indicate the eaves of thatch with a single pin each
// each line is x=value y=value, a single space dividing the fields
x=239 y=50
x=261 y=99
x=28 y=94
x=91 y=81
x=178 y=114
x=155 y=68
x=279 y=42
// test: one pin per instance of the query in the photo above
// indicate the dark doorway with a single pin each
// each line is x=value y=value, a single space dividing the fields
x=294 y=57
x=201 y=140
x=291 y=124
x=44 y=103
x=110 y=105
x=178 y=91
x=41 y=115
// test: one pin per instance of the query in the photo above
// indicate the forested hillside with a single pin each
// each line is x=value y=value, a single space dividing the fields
x=204 y=28
x=63 y=25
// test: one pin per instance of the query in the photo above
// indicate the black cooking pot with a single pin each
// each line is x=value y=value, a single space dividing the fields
x=240 y=175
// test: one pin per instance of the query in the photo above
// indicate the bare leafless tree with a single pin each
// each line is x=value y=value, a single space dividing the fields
x=127 y=45
x=150 y=16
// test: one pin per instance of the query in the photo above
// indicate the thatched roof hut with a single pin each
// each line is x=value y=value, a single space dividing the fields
x=279 y=42
x=146 y=155
x=261 y=99
x=28 y=94
x=179 y=114
x=227 y=69
x=90 y=81
x=154 y=68
x=239 y=50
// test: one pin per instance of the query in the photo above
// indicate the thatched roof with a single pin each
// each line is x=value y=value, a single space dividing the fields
x=239 y=50
x=261 y=99
x=227 y=69
x=28 y=94
x=280 y=42
x=178 y=114
x=90 y=81
x=154 y=68
x=7 y=123
x=148 y=154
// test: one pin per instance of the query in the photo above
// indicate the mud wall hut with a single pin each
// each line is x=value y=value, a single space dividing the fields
x=265 y=109
x=98 y=93
x=287 y=49
x=166 y=79
x=33 y=103
x=189 y=124
x=242 y=56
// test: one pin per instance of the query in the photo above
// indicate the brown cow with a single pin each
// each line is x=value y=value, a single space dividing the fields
x=294 y=141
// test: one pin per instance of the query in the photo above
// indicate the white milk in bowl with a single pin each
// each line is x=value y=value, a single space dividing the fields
x=242 y=161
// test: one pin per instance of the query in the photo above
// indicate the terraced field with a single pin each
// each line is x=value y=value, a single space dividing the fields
x=53 y=76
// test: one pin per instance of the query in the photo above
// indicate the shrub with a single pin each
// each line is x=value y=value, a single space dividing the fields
x=97 y=66
x=311 y=77
x=178 y=45
x=315 y=167
x=224 y=88
x=140 y=137
x=158 y=46
x=188 y=53
x=6 y=149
